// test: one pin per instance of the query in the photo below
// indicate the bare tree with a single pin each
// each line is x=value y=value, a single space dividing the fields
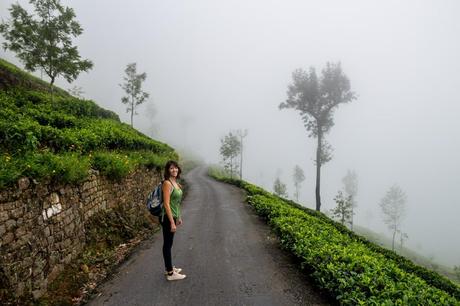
x=393 y=206
x=316 y=101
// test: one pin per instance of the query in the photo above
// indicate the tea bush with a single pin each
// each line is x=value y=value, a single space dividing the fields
x=59 y=138
x=351 y=268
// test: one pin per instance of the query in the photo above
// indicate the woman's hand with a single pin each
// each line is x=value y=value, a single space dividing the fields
x=179 y=221
x=173 y=227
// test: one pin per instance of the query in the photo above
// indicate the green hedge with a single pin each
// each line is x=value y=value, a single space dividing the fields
x=353 y=269
x=61 y=138
x=73 y=167
x=65 y=124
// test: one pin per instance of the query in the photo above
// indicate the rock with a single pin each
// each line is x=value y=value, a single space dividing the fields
x=23 y=183
x=84 y=268
x=54 y=198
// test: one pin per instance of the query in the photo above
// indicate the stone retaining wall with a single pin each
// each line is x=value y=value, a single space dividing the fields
x=42 y=225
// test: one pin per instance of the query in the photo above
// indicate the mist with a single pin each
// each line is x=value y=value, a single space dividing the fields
x=217 y=66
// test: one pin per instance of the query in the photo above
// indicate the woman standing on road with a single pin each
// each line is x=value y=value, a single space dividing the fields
x=170 y=217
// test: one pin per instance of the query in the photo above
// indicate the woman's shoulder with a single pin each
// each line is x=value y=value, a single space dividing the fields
x=167 y=184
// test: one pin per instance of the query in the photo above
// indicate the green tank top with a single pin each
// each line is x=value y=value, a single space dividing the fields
x=174 y=202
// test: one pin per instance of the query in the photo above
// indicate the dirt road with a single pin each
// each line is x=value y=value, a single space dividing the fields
x=228 y=254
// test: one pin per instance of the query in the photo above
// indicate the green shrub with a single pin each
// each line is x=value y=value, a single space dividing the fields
x=53 y=139
x=114 y=166
x=348 y=266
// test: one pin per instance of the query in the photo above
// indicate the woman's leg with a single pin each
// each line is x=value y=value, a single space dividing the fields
x=168 y=238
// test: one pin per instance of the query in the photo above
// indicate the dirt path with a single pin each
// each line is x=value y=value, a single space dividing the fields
x=229 y=255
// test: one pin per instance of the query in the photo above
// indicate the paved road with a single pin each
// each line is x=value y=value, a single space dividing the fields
x=229 y=255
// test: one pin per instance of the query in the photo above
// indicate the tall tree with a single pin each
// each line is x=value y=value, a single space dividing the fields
x=229 y=149
x=133 y=88
x=44 y=41
x=393 y=206
x=343 y=211
x=350 y=182
x=280 y=188
x=241 y=134
x=299 y=177
x=316 y=101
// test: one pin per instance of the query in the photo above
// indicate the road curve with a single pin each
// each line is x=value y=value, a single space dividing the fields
x=228 y=254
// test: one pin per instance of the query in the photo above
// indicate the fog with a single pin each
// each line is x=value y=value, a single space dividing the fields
x=217 y=66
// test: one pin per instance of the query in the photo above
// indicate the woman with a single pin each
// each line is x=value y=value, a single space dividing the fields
x=171 y=217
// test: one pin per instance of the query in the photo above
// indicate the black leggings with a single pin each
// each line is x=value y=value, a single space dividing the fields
x=168 y=238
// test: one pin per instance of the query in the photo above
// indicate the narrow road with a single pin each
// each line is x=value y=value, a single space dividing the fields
x=228 y=254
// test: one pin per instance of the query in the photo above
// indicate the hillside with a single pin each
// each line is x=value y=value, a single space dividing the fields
x=61 y=138
x=348 y=266
x=417 y=258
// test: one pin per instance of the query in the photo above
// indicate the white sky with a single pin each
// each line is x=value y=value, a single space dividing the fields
x=214 y=66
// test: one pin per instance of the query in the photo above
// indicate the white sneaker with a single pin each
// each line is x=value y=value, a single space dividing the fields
x=177 y=270
x=175 y=276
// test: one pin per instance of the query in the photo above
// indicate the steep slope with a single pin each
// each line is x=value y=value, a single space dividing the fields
x=60 y=138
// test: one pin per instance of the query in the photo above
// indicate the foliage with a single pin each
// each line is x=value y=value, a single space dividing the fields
x=316 y=101
x=299 y=177
x=133 y=88
x=115 y=166
x=44 y=42
x=58 y=139
x=280 y=188
x=354 y=270
x=392 y=206
x=229 y=149
x=343 y=211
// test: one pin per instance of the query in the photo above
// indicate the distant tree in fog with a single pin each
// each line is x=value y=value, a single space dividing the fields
x=229 y=149
x=402 y=237
x=241 y=134
x=133 y=88
x=316 y=101
x=344 y=210
x=457 y=272
x=350 y=182
x=76 y=91
x=393 y=206
x=150 y=113
x=299 y=177
x=280 y=188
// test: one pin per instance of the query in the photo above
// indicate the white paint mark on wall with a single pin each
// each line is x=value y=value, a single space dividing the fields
x=55 y=208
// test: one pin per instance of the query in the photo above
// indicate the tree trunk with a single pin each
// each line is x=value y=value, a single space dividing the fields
x=318 y=173
x=297 y=192
x=51 y=88
x=393 y=242
x=241 y=160
x=132 y=110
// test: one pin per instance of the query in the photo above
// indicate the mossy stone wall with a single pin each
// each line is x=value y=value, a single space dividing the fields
x=42 y=226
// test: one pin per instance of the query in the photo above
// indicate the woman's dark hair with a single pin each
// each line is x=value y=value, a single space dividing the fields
x=168 y=165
